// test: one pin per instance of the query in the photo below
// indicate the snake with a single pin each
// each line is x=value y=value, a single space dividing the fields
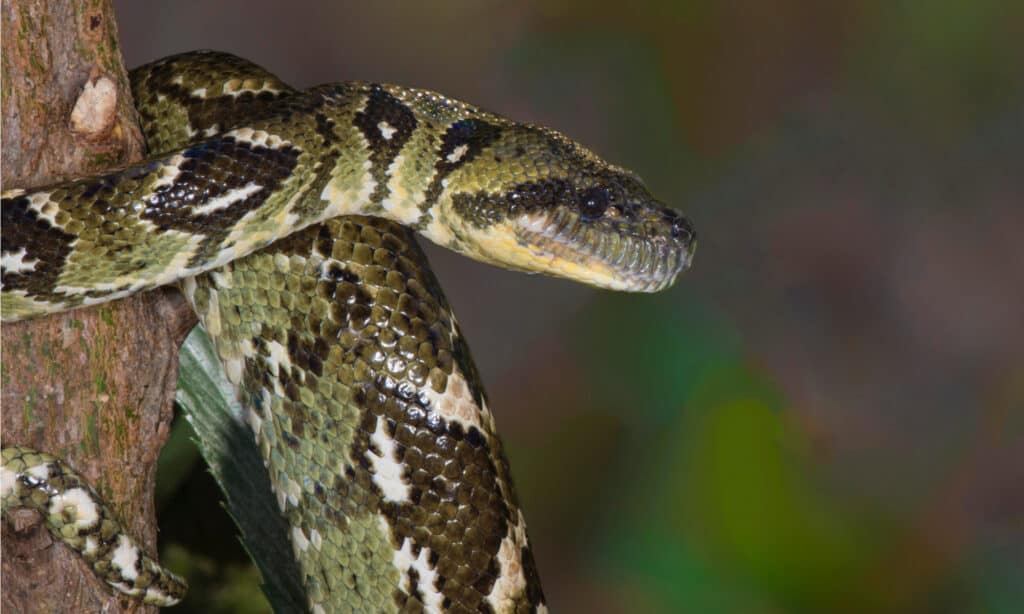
x=288 y=219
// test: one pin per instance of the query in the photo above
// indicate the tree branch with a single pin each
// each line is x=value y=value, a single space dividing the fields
x=95 y=386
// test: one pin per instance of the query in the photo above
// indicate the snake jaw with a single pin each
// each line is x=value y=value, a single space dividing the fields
x=600 y=253
x=565 y=245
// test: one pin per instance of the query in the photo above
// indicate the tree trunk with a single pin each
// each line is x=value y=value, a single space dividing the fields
x=94 y=386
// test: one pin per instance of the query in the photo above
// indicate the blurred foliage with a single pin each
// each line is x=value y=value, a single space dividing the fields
x=725 y=517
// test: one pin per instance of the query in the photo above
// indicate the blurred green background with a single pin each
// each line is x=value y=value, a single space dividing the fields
x=827 y=413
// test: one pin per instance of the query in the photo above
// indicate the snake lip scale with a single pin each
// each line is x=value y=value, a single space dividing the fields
x=288 y=219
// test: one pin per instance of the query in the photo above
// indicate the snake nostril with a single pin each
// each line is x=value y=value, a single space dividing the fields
x=682 y=229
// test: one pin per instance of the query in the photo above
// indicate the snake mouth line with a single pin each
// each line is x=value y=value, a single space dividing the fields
x=606 y=256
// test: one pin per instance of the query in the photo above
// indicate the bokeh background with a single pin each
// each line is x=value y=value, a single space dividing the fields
x=827 y=413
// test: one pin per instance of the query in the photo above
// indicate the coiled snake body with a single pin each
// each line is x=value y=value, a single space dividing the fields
x=287 y=218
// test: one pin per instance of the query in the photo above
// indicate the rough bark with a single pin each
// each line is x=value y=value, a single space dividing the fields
x=96 y=385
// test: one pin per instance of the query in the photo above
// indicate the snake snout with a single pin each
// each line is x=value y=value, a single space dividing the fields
x=634 y=248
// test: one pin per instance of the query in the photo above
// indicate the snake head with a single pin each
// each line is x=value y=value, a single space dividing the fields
x=533 y=200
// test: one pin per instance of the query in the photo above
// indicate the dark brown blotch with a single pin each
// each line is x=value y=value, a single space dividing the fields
x=388 y=124
x=21 y=228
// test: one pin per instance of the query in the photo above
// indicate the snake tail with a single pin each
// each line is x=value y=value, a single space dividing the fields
x=75 y=515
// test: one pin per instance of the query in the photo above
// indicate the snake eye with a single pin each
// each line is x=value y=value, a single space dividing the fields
x=593 y=203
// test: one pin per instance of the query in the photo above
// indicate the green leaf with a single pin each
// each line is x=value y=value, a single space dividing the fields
x=230 y=450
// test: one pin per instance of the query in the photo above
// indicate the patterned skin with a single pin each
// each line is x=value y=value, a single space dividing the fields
x=361 y=392
x=75 y=515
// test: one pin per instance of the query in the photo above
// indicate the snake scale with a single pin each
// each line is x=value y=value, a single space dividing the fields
x=288 y=219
